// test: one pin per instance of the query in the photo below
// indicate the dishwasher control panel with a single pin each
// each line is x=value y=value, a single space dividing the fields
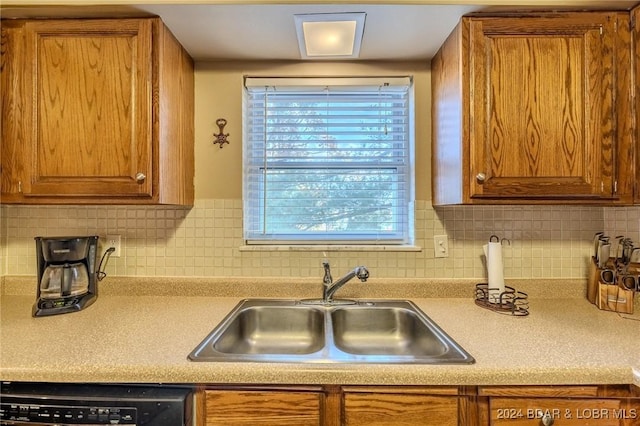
x=67 y=404
x=66 y=414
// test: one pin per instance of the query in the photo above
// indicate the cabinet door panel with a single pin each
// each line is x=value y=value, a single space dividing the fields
x=275 y=408
x=635 y=17
x=91 y=100
x=13 y=134
x=541 y=108
x=563 y=412
x=371 y=409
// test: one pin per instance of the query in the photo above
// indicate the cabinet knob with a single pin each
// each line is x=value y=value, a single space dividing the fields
x=140 y=177
x=480 y=177
x=546 y=420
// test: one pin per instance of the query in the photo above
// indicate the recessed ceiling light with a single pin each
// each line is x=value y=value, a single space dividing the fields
x=330 y=35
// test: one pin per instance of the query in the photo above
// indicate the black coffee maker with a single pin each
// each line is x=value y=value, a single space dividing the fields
x=67 y=274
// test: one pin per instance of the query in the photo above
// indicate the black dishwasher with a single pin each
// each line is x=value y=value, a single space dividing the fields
x=95 y=404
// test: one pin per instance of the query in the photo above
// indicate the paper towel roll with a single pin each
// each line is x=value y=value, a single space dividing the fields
x=495 y=270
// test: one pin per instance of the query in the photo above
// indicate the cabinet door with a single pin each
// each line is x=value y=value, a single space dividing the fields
x=251 y=407
x=541 y=106
x=614 y=405
x=635 y=18
x=88 y=88
x=379 y=409
x=561 y=411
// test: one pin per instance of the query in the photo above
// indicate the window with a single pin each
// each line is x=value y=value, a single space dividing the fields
x=328 y=161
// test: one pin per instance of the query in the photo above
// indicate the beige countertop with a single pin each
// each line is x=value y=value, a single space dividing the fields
x=135 y=333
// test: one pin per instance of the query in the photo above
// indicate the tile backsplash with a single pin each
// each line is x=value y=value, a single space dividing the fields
x=545 y=241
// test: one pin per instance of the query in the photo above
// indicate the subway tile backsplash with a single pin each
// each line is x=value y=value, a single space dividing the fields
x=544 y=241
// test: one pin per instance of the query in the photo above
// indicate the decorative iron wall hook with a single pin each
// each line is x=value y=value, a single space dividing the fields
x=221 y=137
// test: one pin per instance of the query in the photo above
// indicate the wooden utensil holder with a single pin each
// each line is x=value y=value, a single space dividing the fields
x=610 y=297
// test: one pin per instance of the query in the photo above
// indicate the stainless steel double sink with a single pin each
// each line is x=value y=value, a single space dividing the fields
x=269 y=330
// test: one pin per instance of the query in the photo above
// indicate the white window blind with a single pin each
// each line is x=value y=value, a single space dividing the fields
x=327 y=160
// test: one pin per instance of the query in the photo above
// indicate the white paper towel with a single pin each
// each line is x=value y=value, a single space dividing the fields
x=495 y=270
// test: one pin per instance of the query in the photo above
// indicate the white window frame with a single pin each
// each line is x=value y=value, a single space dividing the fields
x=254 y=201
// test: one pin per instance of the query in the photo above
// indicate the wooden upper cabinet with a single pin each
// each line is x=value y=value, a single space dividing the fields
x=91 y=122
x=101 y=111
x=524 y=109
x=635 y=19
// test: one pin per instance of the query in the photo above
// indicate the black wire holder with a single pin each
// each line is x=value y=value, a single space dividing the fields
x=510 y=302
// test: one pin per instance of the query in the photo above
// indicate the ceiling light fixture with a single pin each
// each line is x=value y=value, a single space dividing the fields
x=330 y=35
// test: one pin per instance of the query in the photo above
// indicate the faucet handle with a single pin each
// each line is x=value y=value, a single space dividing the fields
x=362 y=273
x=327 y=279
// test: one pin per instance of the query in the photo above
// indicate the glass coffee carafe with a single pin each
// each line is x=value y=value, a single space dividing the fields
x=70 y=279
x=66 y=274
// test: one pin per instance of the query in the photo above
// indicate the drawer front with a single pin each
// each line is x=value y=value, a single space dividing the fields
x=377 y=409
x=561 y=412
x=277 y=408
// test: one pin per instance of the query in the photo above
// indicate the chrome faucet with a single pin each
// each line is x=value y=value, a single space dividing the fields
x=329 y=287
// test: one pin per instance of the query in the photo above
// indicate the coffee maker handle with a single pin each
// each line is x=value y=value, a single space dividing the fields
x=65 y=284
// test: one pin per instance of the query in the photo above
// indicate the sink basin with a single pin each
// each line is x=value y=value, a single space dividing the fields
x=273 y=330
x=385 y=331
x=268 y=330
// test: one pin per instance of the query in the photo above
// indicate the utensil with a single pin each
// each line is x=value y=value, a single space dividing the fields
x=608 y=276
x=619 y=248
x=604 y=251
x=596 y=244
x=627 y=249
x=629 y=282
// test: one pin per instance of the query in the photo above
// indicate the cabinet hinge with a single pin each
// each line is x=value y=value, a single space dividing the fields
x=632 y=22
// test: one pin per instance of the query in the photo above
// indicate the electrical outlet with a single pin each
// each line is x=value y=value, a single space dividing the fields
x=113 y=241
x=441 y=245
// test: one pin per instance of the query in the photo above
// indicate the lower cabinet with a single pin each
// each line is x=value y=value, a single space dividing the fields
x=275 y=406
x=335 y=405
x=379 y=406
x=560 y=405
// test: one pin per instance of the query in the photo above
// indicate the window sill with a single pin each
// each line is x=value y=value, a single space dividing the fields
x=330 y=247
